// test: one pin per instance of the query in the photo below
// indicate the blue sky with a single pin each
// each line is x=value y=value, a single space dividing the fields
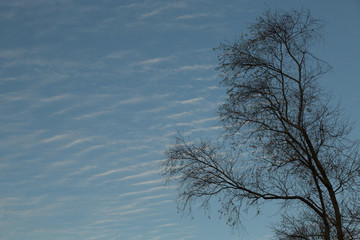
x=92 y=93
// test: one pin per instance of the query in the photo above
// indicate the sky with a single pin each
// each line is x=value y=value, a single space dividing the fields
x=93 y=92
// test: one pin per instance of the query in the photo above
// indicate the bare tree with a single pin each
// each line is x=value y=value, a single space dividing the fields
x=284 y=141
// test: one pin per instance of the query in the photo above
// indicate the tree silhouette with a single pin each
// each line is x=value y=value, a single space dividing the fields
x=284 y=141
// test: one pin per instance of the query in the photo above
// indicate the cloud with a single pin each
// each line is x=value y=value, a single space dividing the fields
x=191 y=16
x=130 y=101
x=190 y=101
x=113 y=107
x=148 y=182
x=11 y=53
x=119 y=54
x=205 y=120
x=139 y=175
x=154 y=197
x=133 y=211
x=25 y=141
x=78 y=141
x=152 y=61
x=167 y=225
x=213 y=87
x=55 y=98
x=265 y=237
x=45 y=207
x=56 y=138
x=63 y=111
x=109 y=172
x=138 y=99
x=140 y=192
x=214 y=128
x=154 y=110
x=159 y=10
x=81 y=170
x=91 y=115
x=125 y=169
x=178 y=115
x=160 y=203
x=61 y=163
x=142 y=201
x=200 y=121
x=195 y=67
x=89 y=149
x=23 y=95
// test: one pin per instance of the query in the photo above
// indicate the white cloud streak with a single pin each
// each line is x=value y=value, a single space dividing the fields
x=152 y=61
x=55 y=98
x=190 y=101
x=76 y=142
x=56 y=138
x=160 y=10
x=156 y=181
x=139 y=175
x=178 y=115
x=194 y=67
x=191 y=16
x=140 y=192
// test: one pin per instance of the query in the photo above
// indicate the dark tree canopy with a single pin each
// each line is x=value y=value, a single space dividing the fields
x=284 y=140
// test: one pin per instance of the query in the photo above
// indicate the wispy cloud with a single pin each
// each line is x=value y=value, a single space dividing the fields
x=213 y=87
x=166 y=225
x=56 y=98
x=151 y=197
x=61 y=163
x=195 y=67
x=265 y=237
x=11 y=53
x=139 y=175
x=205 y=120
x=126 y=169
x=42 y=207
x=120 y=54
x=178 y=115
x=154 y=110
x=156 y=181
x=24 y=141
x=91 y=148
x=91 y=115
x=191 y=16
x=160 y=10
x=78 y=141
x=192 y=123
x=109 y=172
x=56 y=138
x=82 y=170
x=214 y=128
x=137 y=99
x=190 y=101
x=129 y=101
x=152 y=61
x=140 y=192
x=140 y=210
